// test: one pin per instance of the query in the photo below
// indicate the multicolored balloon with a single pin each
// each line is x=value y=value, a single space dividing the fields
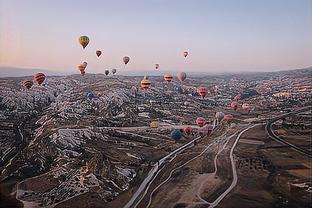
x=246 y=107
x=106 y=72
x=82 y=68
x=145 y=84
x=168 y=77
x=114 y=71
x=84 y=41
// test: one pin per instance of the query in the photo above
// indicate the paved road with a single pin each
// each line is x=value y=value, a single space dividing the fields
x=234 y=182
x=154 y=171
x=270 y=132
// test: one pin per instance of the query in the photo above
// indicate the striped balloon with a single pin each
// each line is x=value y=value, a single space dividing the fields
x=168 y=77
x=39 y=77
x=28 y=83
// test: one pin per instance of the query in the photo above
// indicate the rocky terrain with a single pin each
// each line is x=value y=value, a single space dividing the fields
x=86 y=141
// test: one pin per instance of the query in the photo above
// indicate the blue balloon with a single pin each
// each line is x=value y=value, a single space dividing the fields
x=176 y=134
x=90 y=95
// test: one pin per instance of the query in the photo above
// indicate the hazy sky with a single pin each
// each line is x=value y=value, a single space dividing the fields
x=220 y=35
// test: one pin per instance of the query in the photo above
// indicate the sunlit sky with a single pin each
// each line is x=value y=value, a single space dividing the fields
x=220 y=35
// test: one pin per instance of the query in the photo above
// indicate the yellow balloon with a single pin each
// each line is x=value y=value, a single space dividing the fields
x=154 y=124
x=84 y=41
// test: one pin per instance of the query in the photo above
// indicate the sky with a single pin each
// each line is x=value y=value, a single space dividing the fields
x=220 y=35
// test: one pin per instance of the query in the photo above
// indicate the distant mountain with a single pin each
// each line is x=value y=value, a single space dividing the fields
x=20 y=72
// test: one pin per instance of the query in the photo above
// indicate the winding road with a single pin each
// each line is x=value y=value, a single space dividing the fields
x=270 y=132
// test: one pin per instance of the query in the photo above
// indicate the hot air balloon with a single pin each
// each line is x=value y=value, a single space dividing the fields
x=234 y=105
x=219 y=116
x=90 y=95
x=146 y=77
x=202 y=91
x=84 y=41
x=246 y=107
x=156 y=66
x=176 y=134
x=185 y=54
x=106 y=72
x=145 y=84
x=227 y=117
x=82 y=68
x=126 y=59
x=181 y=76
x=39 y=77
x=237 y=97
x=85 y=64
x=28 y=83
x=98 y=53
x=154 y=124
x=168 y=77
x=200 y=121
x=205 y=130
x=188 y=130
x=114 y=71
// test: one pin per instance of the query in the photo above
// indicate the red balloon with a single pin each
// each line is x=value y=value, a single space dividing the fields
x=234 y=105
x=237 y=97
x=227 y=117
x=39 y=77
x=98 y=53
x=202 y=91
x=200 y=121
x=188 y=130
x=185 y=54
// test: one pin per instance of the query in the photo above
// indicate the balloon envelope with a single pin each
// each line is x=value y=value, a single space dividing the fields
x=246 y=107
x=182 y=76
x=98 y=53
x=227 y=117
x=39 y=77
x=156 y=66
x=28 y=83
x=219 y=116
x=145 y=84
x=188 y=130
x=200 y=121
x=114 y=71
x=126 y=59
x=202 y=91
x=168 y=77
x=176 y=134
x=84 y=41
x=234 y=105
x=185 y=54
x=106 y=72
